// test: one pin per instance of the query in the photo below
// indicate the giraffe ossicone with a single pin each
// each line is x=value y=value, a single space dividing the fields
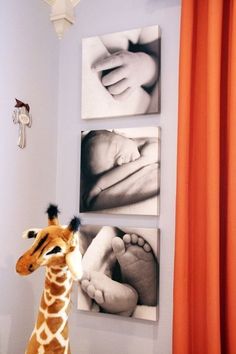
x=57 y=248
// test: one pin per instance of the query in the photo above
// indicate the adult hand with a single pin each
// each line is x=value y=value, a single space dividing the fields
x=89 y=196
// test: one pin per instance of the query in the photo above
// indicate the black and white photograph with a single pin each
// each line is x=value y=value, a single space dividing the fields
x=121 y=73
x=120 y=271
x=120 y=171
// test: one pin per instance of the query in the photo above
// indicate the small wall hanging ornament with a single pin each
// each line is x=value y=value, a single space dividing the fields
x=22 y=116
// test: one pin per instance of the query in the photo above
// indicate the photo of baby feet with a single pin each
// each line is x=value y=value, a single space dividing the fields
x=112 y=296
x=133 y=290
x=138 y=266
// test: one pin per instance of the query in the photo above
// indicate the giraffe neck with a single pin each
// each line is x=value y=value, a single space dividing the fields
x=51 y=329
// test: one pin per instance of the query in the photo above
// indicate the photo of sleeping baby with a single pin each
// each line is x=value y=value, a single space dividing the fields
x=120 y=271
x=120 y=171
x=121 y=73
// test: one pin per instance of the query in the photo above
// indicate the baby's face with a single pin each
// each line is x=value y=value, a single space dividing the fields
x=126 y=149
x=112 y=150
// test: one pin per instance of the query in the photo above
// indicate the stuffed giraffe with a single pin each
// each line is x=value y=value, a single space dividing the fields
x=55 y=247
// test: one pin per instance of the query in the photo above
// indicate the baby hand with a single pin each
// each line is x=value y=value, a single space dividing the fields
x=127 y=70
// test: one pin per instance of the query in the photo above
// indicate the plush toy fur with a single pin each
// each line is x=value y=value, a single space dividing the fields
x=55 y=247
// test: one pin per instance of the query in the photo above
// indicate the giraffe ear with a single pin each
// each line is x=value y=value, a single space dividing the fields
x=74 y=262
x=74 y=257
x=31 y=233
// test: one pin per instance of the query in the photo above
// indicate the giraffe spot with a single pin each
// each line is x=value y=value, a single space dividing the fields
x=43 y=335
x=64 y=332
x=43 y=304
x=55 y=270
x=54 y=347
x=57 y=289
x=56 y=306
x=54 y=323
x=61 y=279
x=48 y=297
x=40 y=320
x=33 y=345
x=47 y=283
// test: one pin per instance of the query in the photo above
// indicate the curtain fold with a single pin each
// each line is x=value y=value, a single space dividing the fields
x=205 y=259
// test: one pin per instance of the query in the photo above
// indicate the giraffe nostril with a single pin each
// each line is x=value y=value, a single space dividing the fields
x=31 y=268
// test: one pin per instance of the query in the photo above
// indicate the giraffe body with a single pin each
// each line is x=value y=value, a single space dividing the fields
x=51 y=247
x=51 y=328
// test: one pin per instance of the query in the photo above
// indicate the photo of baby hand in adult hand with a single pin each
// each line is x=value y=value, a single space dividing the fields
x=127 y=71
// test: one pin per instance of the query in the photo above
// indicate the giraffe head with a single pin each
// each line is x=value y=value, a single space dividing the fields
x=51 y=245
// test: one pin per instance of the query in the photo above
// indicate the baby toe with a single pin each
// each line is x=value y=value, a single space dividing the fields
x=127 y=238
x=134 y=239
x=118 y=246
x=98 y=297
x=91 y=290
x=147 y=247
x=84 y=284
x=141 y=242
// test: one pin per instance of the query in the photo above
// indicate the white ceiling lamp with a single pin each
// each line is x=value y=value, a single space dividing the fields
x=62 y=14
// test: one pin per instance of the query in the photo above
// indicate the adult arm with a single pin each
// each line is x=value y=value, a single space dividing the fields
x=139 y=186
x=118 y=174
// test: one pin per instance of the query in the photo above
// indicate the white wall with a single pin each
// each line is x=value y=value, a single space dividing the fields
x=48 y=169
x=101 y=334
x=29 y=72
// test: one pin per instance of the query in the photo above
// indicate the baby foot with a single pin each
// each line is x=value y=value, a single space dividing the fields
x=113 y=297
x=99 y=255
x=138 y=266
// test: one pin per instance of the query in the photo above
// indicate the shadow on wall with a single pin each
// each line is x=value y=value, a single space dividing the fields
x=16 y=309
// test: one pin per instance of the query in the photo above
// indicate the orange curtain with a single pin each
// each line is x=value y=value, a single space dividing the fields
x=205 y=260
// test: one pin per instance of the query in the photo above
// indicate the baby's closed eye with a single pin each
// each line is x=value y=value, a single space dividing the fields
x=120 y=160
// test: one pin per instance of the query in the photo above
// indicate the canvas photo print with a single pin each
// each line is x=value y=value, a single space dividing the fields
x=121 y=73
x=120 y=171
x=121 y=271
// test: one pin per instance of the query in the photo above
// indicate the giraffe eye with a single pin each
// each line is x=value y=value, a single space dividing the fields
x=56 y=249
